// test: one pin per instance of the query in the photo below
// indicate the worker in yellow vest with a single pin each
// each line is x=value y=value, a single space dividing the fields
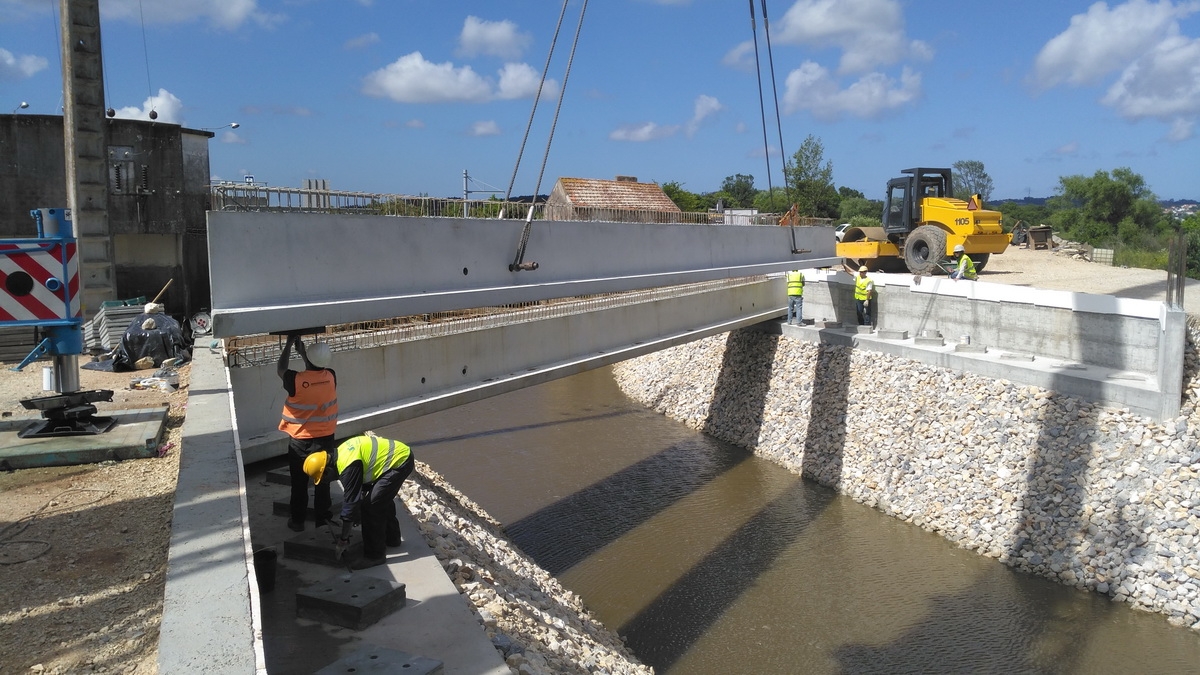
x=964 y=267
x=310 y=414
x=371 y=470
x=864 y=288
x=795 y=293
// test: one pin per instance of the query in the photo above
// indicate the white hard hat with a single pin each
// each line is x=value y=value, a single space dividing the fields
x=319 y=355
x=862 y=269
x=959 y=249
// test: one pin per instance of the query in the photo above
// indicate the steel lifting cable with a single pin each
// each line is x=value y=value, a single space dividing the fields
x=519 y=261
x=787 y=189
x=762 y=108
x=538 y=97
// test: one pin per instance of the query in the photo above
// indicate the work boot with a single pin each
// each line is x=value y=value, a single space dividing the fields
x=295 y=525
x=365 y=562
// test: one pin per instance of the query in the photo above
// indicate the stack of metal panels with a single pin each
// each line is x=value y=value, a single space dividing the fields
x=16 y=342
x=113 y=322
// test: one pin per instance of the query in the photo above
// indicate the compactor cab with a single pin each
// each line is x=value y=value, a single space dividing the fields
x=902 y=205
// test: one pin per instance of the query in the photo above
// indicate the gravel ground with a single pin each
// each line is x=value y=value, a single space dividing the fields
x=83 y=549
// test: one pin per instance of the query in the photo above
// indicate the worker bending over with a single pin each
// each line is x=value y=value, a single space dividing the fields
x=964 y=267
x=795 y=292
x=371 y=470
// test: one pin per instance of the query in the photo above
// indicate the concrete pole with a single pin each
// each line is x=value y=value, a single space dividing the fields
x=85 y=134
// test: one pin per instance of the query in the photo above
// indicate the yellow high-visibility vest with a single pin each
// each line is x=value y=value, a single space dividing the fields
x=795 y=283
x=863 y=287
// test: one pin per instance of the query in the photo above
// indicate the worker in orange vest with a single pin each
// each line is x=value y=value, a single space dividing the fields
x=310 y=415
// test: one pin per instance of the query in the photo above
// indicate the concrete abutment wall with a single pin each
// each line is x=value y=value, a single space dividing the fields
x=1055 y=485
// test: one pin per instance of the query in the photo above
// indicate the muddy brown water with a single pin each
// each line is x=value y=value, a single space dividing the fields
x=707 y=559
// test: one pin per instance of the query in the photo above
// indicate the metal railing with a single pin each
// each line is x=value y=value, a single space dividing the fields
x=249 y=197
x=259 y=350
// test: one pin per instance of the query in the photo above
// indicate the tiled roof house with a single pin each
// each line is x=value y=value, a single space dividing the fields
x=623 y=199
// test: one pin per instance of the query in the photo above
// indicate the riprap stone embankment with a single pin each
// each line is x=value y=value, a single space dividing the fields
x=1092 y=497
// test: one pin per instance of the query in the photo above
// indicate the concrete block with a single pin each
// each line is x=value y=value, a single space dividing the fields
x=888 y=334
x=373 y=659
x=827 y=324
x=970 y=348
x=922 y=341
x=350 y=600
x=316 y=546
x=283 y=507
x=1010 y=356
x=279 y=476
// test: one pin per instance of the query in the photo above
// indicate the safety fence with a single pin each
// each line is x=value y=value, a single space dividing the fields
x=250 y=197
x=257 y=350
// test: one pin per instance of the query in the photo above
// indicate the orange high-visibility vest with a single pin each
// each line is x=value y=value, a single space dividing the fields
x=313 y=411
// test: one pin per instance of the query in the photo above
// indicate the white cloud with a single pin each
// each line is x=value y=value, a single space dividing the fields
x=740 y=57
x=361 y=41
x=1159 y=66
x=639 y=133
x=1070 y=149
x=811 y=87
x=13 y=67
x=230 y=136
x=520 y=80
x=412 y=79
x=227 y=14
x=704 y=107
x=1102 y=41
x=492 y=38
x=485 y=128
x=165 y=104
x=870 y=33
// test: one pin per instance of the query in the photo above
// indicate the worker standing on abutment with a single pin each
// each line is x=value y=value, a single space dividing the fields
x=864 y=288
x=795 y=292
x=309 y=416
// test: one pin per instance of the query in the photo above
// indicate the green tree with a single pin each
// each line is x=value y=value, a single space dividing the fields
x=740 y=188
x=850 y=193
x=772 y=201
x=859 y=206
x=686 y=201
x=970 y=178
x=810 y=177
x=1106 y=208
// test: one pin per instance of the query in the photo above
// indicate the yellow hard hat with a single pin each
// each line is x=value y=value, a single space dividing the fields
x=862 y=269
x=314 y=465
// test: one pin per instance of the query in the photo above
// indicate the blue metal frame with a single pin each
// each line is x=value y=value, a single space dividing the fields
x=64 y=336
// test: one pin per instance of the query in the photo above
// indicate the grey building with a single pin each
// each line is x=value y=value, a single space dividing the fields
x=157 y=196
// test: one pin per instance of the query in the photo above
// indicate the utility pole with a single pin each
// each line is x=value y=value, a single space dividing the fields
x=85 y=141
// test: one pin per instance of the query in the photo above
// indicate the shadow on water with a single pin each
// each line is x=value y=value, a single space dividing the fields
x=557 y=539
x=740 y=395
x=670 y=625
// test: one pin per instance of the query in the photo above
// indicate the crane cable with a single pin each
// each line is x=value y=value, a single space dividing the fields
x=536 y=98
x=787 y=189
x=762 y=108
x=519 y=261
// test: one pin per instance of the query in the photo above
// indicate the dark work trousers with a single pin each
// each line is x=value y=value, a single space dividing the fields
x=379 y=523
x=298 y=450
x=864 y=312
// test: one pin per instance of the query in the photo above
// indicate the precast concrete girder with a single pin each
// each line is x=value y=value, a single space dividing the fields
x=285 y=271
x=383 y=385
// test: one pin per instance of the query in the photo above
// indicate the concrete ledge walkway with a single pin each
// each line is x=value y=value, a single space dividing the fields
x=215 y=620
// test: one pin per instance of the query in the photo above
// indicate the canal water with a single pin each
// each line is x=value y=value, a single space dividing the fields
x=710 y=560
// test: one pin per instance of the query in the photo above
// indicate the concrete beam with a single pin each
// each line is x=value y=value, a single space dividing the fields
x=276 y=272
x=384 y=385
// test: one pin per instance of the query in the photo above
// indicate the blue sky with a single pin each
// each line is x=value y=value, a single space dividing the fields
x=401 y=96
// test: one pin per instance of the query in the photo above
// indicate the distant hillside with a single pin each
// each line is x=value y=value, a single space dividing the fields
x=1041 y=201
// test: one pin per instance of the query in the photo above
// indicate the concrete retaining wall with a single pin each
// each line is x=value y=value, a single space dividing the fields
x=1054 y=485
x=1119 y=351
